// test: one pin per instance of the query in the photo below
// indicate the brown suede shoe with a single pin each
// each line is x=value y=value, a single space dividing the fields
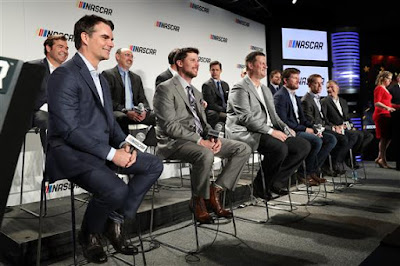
x=317 y=178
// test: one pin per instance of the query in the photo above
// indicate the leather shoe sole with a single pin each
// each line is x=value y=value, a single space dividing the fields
x=93 y=253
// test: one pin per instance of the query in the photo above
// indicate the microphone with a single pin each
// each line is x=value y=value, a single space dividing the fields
x=137 y=142
x=220 y=127
x=318 y=128
x=139 y=108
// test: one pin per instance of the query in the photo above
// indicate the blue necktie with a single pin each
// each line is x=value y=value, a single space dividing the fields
x=128 y=92
x=192 y=101
x=221 y=92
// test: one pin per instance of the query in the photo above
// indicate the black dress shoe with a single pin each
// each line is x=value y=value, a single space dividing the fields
x=92 y=247
x=259 y=193
x=279 y=191
x=114 y=232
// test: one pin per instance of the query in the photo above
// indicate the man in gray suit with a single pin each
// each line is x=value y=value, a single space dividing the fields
x=183 y=133
x=252 y=119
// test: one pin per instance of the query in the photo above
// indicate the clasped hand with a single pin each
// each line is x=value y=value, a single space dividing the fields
x=123 y=157
x=212 y=144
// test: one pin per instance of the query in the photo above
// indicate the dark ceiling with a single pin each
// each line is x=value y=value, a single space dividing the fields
x=377 y=21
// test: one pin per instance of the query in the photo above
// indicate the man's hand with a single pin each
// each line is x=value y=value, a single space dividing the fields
x=123 y=158
x=339 y=129
x=135 y=116
x=279 y=135
x=217 y=145
x=309 y=130
x=292 y=132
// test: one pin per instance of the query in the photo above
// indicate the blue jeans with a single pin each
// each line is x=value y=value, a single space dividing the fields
x=320 y=149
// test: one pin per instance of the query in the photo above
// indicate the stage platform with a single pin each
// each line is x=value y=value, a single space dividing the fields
x=346 y=228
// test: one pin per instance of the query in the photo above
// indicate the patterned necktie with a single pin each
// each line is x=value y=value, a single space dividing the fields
x=192 y=101
x=128 y=92
x=221 y=92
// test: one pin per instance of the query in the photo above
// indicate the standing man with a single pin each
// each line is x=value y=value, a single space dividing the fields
x=56 y=52
x=215 y=93
x=275 y=79
x=84 y=142
x=183 y=133
x=337 y=114
x=395 y=91
x=171 y=71
x=129 y=101
x=288 y=108
x=311 y=104
x=252 y=119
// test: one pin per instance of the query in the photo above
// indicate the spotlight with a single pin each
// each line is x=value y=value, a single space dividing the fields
x=294 y=2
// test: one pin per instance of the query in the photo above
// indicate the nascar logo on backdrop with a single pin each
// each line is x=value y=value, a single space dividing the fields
x=167 y=26
x=199 y=7
x=45 y=33
x=143 y=50
x=218 y=38
x=94 y=8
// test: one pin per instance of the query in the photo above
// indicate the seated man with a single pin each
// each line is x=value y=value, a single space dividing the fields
x=337 y=114
x=182 y=133
x=311 y=104
x=129 y=101
x=85 y=142
x=275 y=78
x=171 y=71
x=252 y=119
x=56 y=51
x=288 y=108
x=215 y=92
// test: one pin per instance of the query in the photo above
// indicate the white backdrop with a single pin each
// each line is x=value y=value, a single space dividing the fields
x=135 y=25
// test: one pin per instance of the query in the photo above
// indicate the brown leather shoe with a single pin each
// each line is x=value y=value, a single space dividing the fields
x=317 y=178
x=115 y=233
x=200 y=211
x=216 y=204
x=311 y=181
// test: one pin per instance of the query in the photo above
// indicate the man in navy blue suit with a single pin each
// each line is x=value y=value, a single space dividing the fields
x=85 y=142
x=288 y=107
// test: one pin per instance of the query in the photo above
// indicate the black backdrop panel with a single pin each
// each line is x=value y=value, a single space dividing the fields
x=20 y=83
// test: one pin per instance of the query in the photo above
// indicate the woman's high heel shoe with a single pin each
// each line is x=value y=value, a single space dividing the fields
x=381 y=164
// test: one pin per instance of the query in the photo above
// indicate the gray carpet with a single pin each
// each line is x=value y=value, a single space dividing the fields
x=342 y=229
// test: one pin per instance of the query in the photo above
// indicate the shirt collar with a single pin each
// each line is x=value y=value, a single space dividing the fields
x=183 y=82
x=121 y=70
x=314 y=95
x=292 y=92
x=51 y=67
x=87 y=63
x=173 y=72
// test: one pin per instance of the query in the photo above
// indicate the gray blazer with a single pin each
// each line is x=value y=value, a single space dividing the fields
x=175 y=122
x=246 y=115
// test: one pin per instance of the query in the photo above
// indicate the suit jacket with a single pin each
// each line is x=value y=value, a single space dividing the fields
x=81 y=130
x=166 y=75
x=284 y=109
x=395 y=91
x=273 y=90
x=117 y=88
x=333 y=117
x=175 y=121
x=246 y=115
x=213 y=97
x=41 y=97
x=311 y=111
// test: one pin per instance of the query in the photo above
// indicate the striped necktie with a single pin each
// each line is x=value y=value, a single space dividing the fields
x=192 y=101
x=221 y=92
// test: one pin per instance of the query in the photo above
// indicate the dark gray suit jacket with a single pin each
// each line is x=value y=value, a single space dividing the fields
x=166 y=75
x=213 y=97
x=117 y=89
x=175 y=121
x=41 y=97
x=333 y=117
x=311 y=111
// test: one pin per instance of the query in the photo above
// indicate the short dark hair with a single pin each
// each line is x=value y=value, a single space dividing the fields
x=273 y=72
x=251 y=57
x=171 y=56
x=50 y=41
x=312 y=78
x=289 y=71
x=87 y=24
x=213 y=63
x=181 y=54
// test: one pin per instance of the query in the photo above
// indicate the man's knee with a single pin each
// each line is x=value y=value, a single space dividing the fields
x=117 y=196
x=205 y=157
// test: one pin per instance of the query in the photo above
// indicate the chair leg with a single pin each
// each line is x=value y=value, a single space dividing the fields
x=73 y=223
x=139 y=232
x=39 y=247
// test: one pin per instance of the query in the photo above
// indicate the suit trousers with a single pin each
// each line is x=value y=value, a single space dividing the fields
x=281 y=159
x=237 y=154
x=110 y=193
x=363 y=139
x=40 y=120
x=124 y=121
x=344 y=144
